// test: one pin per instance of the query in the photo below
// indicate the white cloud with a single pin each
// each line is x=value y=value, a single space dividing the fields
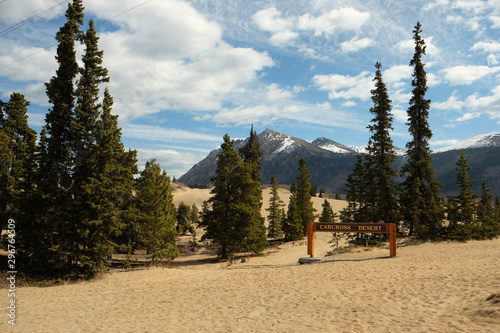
x=355 y=44
x=349 y=104
x=345 y=86
x=400 y=115
x=492 y=60
x=408 y=47
x=337 y=19
x=454 y=19
x=472 y=6
x=270 y=20
x=175 y=59
x=162 y=134
x=468 y=116
x=274 y=92
x=437 y=3
x=12 y=12
x=465 y=75
x=283 y=38
x=173 y=162
x=396 y=74
x=453 y=103
x=496 y=22
x=488 y=104
x=490 y=46
x=447 y=142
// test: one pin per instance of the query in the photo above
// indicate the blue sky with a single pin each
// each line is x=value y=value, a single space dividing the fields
x=184 y=73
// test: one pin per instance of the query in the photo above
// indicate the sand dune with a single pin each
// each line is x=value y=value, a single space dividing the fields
x=428 y=287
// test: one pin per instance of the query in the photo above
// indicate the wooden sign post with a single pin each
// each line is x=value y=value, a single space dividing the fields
x=374 y=228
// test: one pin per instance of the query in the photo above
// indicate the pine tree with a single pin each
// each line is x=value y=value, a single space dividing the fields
x=303 y=194
x=327 y=215
x=115 y=172
x=6 y=180
x=184 y=219
x=50 y=233
x=357 y=193
x=466 y=205
x=292 y=224
x=485 y=212
x=381 y=155
x=423 y=214
x=275 y=211
x=156 y=213
x=20 y=166
x=251 y=154
x=195 y=214
x=235 y=206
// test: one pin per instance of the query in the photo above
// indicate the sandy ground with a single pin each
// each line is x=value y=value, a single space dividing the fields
x=428 y=287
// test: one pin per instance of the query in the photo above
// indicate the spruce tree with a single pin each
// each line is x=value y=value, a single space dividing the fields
x=21 y=165
x=292 y=224
x=251 y=154
x=327 y=214
x=424 y=213
x=465 y=200
x=381 y=155
x=195 y=214
x=303 y=195
x=232 y=222
x=156 y=213
x=51 y=237
x=184 y=219
x=275 y=209
x=485 y=211
x=115 y=170
x=357 y=193
x=6 y=180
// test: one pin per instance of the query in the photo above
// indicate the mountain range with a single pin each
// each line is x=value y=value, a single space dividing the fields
x=331 y=162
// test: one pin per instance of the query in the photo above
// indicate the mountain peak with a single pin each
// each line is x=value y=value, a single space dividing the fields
x=478 y=141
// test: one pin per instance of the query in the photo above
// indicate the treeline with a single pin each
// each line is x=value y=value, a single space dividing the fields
x=76 y=195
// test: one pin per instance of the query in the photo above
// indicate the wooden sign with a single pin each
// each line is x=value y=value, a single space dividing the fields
x=380 y=228
x=375 y=228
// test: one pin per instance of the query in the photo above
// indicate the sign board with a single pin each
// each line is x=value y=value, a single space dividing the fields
x=380 y=228
x=374 y=228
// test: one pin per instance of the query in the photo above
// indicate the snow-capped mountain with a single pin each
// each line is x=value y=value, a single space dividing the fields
x=331 y=162
x=478 y=141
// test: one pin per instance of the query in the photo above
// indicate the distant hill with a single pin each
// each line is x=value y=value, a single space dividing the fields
x=331 y=162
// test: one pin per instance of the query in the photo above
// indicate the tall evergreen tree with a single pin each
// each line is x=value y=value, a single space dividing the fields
x=156 y=213
x=115 y=172
x=6 y=180
x=22 y=144
x=50 y=237
x=465 y=201
x=251 y=154
x=357 y=193
x=381 y=155
x=275 y=211
x=292 y=224
x=235 y=206
x=485 y=211
x=304 y=202
x=424 y=213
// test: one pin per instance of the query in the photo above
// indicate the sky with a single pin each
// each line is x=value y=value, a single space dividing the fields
x=186 y=72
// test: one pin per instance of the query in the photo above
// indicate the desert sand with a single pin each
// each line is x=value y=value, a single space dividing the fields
x=428 y=287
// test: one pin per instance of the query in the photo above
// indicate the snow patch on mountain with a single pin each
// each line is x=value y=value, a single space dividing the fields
x=478 y=141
